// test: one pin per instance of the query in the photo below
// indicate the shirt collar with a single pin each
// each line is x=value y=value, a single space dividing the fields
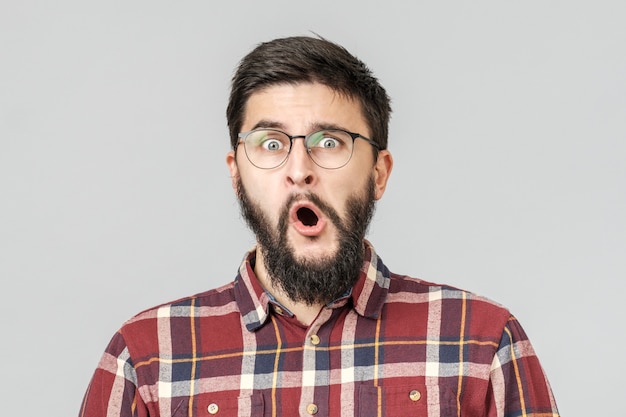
x=368 y=293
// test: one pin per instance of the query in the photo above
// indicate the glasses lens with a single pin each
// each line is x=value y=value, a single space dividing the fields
x=330 y=148
x=267 y=148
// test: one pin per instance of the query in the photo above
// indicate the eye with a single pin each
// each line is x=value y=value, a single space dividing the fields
x=325 y=140
x=328 y=143
x=271 y=144
x=268 y=140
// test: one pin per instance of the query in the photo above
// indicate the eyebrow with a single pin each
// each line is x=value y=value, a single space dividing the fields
x=268 y=124
x=272 y=124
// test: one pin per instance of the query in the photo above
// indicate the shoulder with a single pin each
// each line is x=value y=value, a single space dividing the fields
x=447 y=302
x=411 y=285
x=216 y=302
x=145 y=334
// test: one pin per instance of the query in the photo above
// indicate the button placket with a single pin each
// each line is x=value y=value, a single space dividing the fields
x=314 y=355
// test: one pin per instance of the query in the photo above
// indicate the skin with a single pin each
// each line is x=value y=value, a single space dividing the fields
x=297 y=110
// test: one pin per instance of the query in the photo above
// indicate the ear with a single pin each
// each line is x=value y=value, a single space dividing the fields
x=382 y=170
x=231 y=161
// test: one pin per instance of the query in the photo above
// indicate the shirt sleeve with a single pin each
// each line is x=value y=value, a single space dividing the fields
x=112 y=391
x=518 y=384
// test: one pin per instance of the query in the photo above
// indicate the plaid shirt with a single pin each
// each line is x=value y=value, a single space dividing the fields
x=393 y=346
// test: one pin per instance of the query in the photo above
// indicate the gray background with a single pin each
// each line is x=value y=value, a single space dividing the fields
x=509 y=137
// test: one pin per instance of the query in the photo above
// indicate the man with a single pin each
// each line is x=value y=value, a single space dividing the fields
x=315 y=323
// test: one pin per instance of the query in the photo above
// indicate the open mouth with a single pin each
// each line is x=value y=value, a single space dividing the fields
x=307 y=219
x=307 y=216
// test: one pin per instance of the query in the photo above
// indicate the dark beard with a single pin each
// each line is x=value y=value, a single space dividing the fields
x=312 y=281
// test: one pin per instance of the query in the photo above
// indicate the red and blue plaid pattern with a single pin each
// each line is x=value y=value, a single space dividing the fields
x=393 y=346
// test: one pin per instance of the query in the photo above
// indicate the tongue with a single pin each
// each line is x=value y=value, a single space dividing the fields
x=307 y=216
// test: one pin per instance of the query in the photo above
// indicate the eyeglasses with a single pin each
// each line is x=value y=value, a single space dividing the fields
x=330 y=148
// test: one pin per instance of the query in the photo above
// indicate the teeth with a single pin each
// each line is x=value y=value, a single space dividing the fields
x=307 y=216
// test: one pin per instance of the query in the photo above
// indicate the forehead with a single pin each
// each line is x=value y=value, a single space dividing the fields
x=302 y=106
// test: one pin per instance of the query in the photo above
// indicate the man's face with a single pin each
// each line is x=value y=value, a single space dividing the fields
x=319 y=206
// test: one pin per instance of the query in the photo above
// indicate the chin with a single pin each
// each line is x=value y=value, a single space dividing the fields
x=314 y=247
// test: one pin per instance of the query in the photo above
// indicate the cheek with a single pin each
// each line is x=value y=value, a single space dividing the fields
x=265 y=196
x=343 y=191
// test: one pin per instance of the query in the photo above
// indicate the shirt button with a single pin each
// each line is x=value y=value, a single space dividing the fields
x=311 y=409
x=315 y=339
x=415 y=395
x=213 y=408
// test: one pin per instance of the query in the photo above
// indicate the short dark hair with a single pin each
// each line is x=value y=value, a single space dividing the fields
x=303 y=59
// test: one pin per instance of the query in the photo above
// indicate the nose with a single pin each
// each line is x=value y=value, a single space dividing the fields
x=299 y=167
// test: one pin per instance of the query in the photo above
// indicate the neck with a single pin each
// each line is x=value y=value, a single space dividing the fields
x=304 y=312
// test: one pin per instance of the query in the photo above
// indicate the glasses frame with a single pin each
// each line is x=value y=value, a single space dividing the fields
x=243 y=135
